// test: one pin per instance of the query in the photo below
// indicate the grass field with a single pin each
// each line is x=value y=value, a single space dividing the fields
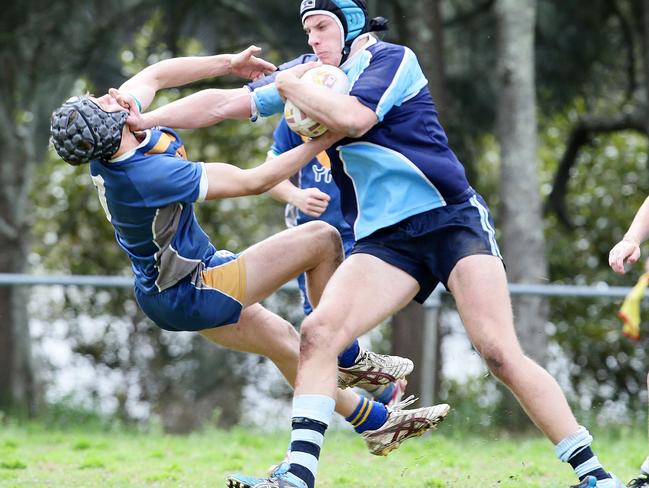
x=37 y=456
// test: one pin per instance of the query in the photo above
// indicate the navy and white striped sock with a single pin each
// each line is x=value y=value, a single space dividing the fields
x=311 y=417
x=575 y=449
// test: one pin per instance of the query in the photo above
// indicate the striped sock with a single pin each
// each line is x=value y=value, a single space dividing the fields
x=348 y=357
x=383 y=393
x=575 y=449
x=311 y=416
x=368 y=415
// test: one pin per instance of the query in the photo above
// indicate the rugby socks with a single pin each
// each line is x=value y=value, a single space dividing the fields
x=369 y=415
x=575 y=449
x=349 y=356
x=311 y=417
x=383 y=393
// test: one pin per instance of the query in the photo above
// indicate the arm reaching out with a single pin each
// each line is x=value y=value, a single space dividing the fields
x=137 y=93
x=628 y=249
x=201 y=109
x=225 y=180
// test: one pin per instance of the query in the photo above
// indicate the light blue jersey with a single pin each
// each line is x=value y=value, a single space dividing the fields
x=403 y=166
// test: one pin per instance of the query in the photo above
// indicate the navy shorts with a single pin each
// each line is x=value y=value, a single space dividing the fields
x=210 y=297
x=427 y=246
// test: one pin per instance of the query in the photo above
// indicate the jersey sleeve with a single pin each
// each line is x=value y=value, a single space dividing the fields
x=166 y=179
x=284 y=139
x=392 y=77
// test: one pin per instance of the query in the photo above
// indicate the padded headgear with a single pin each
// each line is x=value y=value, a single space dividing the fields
x=351 y=16
x=81 y=131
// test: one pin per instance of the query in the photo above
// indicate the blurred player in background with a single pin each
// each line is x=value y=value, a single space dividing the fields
x=628 y=251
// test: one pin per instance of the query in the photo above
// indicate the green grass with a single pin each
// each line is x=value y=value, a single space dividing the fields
x=35 y=456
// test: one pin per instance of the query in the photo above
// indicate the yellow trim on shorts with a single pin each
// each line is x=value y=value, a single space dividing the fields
x=228 y=278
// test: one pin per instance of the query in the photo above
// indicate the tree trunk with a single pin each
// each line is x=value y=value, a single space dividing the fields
x=521 y=217
x=16 y=376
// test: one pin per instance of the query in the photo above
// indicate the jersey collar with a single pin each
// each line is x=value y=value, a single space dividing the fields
x=371 y=40
x=130 y=153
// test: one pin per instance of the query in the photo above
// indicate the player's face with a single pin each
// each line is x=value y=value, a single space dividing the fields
x=108 y=103
x=324 y=38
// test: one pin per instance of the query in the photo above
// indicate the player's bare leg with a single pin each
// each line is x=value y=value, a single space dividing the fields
x=487 y=316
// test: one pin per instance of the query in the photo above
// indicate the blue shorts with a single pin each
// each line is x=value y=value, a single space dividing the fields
x=427 y=246
x=210 y=297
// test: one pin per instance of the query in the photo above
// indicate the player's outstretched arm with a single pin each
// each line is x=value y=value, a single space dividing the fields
x=201 y=109
x=181 y=71
x=628 y=249
x=225 y=180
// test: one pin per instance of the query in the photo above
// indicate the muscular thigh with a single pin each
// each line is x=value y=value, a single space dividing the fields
x=282 y=257
x=362 y=293
x=479 y=286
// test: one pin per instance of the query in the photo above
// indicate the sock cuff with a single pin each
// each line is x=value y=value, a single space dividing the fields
x=315 y=407
x=573 y=444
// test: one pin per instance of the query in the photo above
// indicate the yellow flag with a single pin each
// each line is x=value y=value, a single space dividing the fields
x=630 y=310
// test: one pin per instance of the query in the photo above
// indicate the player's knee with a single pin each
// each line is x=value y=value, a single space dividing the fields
x=327 y=237
x=315 y=336
x=500 y=362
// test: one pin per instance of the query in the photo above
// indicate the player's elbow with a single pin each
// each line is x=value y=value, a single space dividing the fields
x=256 y=184
x=358 y=124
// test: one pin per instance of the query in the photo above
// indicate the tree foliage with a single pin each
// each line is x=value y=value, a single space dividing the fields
x=590 y=65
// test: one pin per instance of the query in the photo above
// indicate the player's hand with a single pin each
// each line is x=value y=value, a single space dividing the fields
x=246 y=65
x=125 y=100
x=311 y=201
x=291 y=75
x=623 y=252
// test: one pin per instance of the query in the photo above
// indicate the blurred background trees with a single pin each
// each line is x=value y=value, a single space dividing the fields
x=543 y=101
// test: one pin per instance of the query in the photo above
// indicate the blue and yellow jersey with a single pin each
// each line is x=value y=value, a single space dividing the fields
x=315 y=174
x=403 y=166
x=148 y=195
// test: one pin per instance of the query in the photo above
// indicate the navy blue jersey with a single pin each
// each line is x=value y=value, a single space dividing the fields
x=315 y=174
x=403 y=166
x=148 y=195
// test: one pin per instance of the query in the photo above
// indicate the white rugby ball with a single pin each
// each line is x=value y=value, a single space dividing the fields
x=327 y=76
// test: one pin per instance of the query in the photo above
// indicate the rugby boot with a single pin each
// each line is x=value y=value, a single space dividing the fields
x=403 y=424
x=371 y=370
